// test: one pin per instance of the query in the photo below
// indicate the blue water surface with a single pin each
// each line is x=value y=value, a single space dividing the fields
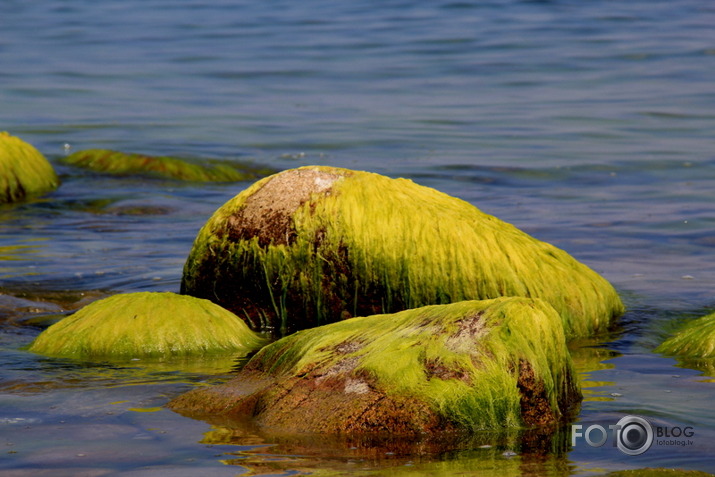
x=587 y=124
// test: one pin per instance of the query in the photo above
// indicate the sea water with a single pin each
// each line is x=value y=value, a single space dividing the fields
x=586 y=124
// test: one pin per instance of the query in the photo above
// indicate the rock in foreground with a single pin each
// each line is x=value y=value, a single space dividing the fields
x=314 y=245
x=464 y=366
x=24 y=171
x=143 y=324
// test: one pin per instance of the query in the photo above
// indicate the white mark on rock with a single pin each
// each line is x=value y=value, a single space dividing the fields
x=356 y=386
x=322 y=183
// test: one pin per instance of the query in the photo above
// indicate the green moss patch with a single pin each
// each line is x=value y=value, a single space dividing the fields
x=113 y=162
x=694 y=340
x=24 y=171
x=144 y=325
x=314 y=245
x=465 y=366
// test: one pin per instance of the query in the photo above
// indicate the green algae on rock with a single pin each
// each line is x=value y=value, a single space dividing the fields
x=113 y=162
x=24 y=171
x=313 y=245
x=695 y=340
x=146 y=324
x=460 y=367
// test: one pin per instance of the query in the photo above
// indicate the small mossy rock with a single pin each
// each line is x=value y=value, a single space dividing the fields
x=313 y=245
x=24 y=171
x=147 y=324
x=464 y=366
x=695 y=340
x=113 y=162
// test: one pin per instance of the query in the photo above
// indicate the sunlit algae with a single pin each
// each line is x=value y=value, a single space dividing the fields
x=464 y=366
x=696 y=339
x=314 y=245
x=24 y=171
x=147 y=324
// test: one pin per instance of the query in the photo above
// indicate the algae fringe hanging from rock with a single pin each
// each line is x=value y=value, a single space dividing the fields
x=24 y=171
x=464 y=366
x=317 y=244
x=147 y=324
x=113 y=162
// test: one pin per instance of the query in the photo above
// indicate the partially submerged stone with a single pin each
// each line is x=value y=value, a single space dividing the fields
x=314 y=245
x=464 y=366
x=147 y=324
x=24 y=171
x=114 y=162
x=695 y=340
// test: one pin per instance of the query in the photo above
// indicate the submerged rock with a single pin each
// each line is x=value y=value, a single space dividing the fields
x=694 y=340
x=147 y=324
x=314 y=245
x=113 y=162
x=24 y=171
x=464 y=366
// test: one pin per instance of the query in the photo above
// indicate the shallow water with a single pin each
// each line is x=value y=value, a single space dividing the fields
x=588 y=125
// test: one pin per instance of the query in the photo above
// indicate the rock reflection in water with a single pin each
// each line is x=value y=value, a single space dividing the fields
x=511 y=452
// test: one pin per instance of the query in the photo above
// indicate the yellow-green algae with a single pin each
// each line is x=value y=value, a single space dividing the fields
x=147 y=324
x=474 y=365
x=24 y=171
x=696 y=340
x=359 y=243
x=120 y=163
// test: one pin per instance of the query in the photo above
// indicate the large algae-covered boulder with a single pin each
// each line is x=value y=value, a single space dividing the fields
x=317 y=244
x=695 y=340
x=147 y=324
x=24 y=171
x=464 y=366
x=114 y=162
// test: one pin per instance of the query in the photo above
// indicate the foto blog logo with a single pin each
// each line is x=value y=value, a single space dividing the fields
x=633 y=435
